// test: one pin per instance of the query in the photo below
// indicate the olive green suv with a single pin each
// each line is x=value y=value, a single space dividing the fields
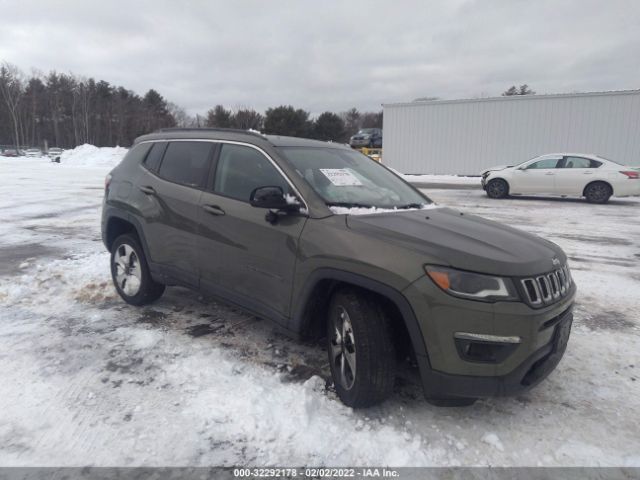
x=327 y=243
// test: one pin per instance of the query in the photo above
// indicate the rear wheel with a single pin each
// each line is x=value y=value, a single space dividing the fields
x=497 y=188
x=360 y=347
x=598 y=192
x=130 y=272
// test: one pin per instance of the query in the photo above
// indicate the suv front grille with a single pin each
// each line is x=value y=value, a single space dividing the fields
x=548 y=288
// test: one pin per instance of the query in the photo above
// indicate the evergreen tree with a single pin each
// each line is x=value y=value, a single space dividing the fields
x=286 y=120
x=219 y=117
x=247 y=119
x=329 y=126
x=521 y=90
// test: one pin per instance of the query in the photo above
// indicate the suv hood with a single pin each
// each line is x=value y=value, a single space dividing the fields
x=468 y=242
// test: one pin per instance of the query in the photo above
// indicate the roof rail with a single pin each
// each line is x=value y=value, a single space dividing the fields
x=210 y=129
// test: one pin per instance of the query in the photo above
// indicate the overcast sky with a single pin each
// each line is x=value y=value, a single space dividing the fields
x=326 y=55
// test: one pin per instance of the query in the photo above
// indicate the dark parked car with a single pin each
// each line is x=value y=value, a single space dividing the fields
x=269 y=224
x=367 y=137
x=10 y=153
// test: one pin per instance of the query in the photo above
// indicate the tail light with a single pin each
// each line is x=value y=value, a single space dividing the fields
x=107 y=182
x=631 y=174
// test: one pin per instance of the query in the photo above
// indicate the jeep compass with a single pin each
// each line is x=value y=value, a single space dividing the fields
x=328 y=243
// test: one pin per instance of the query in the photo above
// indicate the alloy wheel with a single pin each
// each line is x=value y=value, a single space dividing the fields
x=496 y=188
x=343 y=349
x=599 y=192
x=128 y=271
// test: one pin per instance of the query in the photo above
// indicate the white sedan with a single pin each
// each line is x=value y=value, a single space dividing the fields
x=565 y=174
x=33 y=152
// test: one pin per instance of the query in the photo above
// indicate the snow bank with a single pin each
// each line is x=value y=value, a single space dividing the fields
x=90 y=155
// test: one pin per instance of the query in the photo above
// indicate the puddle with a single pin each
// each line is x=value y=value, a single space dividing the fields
x=203 y=329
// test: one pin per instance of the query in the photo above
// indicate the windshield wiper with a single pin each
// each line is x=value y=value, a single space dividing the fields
x=410 y=205
x=348 y=205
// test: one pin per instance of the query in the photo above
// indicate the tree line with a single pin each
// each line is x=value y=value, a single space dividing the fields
x=65 y=110
x=287 y=120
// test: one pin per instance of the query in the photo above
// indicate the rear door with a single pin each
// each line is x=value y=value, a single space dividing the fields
x=242 y=256
x=175 y=174
x=574 y=173
x=537 y=177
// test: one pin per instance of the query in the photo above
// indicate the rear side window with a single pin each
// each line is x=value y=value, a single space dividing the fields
x=137 y=153
x=152 y=162
x=186 y=163
x=580 y=162
x=242 y=169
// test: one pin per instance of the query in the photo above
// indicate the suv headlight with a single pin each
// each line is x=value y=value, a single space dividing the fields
x=473 y=286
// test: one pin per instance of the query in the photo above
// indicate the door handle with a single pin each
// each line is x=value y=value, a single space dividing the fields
x=587 y=173
x=147 y=190
x=213 y=209
x=549 y=173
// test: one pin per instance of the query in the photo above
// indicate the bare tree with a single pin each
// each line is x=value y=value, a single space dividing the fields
x=83 y=91
x=247 y=118
x=182 y=118
x=12 y=91
x=352 y=121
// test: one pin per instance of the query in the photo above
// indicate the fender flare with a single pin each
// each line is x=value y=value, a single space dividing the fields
x=300 y=322
x=112 y=212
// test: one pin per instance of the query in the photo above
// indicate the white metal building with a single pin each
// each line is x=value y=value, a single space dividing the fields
x=464 y=136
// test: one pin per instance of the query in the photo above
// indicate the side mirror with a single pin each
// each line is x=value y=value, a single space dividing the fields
x=272 y=198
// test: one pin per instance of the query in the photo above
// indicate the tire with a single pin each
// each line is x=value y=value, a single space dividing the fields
x=130 y=272
x=359 y=343
x=598 y=192
x=497 y=188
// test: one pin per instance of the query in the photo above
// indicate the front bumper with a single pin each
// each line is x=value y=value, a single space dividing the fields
x=527 y=375
x=360 y=142
x=447 y=372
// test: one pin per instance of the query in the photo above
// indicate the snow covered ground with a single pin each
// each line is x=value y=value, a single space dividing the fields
x=87 y=379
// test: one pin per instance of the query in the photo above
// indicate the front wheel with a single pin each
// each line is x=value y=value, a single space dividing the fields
x=497 y=188
x=598 y=192
x=130 y=272
x=361 y=351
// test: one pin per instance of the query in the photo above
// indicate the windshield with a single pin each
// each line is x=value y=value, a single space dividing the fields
x=367 y=130
x=345 y=178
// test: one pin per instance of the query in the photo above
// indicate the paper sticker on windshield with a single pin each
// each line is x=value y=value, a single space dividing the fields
x=341 y=177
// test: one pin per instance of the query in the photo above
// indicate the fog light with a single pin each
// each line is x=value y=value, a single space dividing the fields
x=482 y=337
x=483 y=348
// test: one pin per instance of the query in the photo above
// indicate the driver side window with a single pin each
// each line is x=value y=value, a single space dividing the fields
x=543 y=164
x=242 y=169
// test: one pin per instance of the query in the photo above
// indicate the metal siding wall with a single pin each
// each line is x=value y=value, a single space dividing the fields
x=465 y=137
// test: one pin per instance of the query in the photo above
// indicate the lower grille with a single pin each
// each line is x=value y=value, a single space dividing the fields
x=548 y=288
